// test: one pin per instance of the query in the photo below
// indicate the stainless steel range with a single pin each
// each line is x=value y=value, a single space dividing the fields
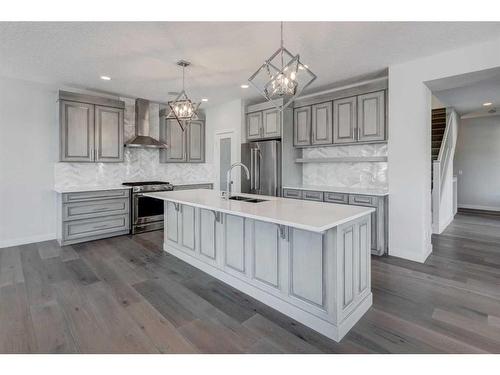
x=147 y=213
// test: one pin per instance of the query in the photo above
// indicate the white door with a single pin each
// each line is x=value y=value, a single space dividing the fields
x=227 y=151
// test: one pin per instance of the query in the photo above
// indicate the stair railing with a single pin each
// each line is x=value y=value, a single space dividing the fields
x=440 y=167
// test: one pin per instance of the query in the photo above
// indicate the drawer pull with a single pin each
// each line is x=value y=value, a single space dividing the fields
x=363 y=200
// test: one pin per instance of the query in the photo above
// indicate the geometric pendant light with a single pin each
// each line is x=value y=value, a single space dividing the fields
x=182 y=108
x=282 y=77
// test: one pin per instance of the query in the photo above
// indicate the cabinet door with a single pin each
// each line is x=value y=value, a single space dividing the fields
x=344 y=120
x=234 y=243
x=175 y=138
x=187 y=227
x=108 y=134
x=321 y=125
x=208 y=236
x=196 y=141
x=272 y=123
x=76 y=131
x=302 y=126
x=371 y=116
x=171 y=231
x=254 y=125
x=265 y=253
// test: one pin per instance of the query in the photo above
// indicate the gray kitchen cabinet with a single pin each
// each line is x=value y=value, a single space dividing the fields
x=196 y=142
x=321 y=124
x=264 y=124
x=345 y=120
x=91 y=128
x=184 y=146
x=254 y=125
x=349 y=120
x=379 y=219
x=91 y=215
x=108 y=134
x=271 y=123
x=371 y=117
x=76 y=131
x=172 y=134
x=312 y=195
x=302 y=126
x=292 y=193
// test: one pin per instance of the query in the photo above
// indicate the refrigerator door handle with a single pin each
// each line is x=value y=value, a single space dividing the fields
x=258 y=157
x=252 y=172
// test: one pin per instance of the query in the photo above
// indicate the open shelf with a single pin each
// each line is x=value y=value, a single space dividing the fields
x=344 y=159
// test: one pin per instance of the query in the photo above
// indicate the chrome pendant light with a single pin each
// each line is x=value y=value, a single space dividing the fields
x=282 y=77
x=182 y=108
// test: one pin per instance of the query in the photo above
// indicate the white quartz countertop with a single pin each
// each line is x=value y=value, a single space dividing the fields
x=306 y=215
x=77 y=188
x=336 y=189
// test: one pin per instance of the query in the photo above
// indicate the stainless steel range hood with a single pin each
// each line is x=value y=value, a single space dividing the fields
x=142 y=137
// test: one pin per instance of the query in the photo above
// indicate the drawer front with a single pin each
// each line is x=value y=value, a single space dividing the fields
x=363 y=200
x=341 y=198
x=312 y=195
x=77 y=229
x=95 y=195
x=88 y=210
x=292 y=193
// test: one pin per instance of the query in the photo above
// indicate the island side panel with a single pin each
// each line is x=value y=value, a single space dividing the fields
x=299 y=273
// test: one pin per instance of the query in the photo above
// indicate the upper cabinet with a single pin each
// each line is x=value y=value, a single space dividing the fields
x=321 y=124
x=349 y=120
x=345 y=120
x=186 y=146
x=91 y=128
x=108 y=134
x=254 y=125
x=302 y=126
x=371 y=117
x=263 y=123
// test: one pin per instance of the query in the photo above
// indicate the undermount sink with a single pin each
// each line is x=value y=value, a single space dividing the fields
x=246 y=199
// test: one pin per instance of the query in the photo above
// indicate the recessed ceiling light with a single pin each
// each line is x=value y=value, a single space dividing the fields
x=106 y=78
x=204 y=100
x=487 y=104
x=244 y=86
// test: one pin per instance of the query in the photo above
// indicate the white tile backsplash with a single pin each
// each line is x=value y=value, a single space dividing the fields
x=360 y=175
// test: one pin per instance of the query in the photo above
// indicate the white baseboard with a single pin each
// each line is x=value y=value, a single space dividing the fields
x=26 y=240
x=477 y=207
x=411 y=255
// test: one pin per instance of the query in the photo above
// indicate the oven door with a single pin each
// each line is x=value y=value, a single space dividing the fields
x=146 y=209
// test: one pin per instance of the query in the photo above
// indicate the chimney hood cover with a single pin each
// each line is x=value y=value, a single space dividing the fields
x=142 y=137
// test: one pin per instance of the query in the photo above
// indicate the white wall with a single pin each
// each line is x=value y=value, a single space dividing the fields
x=410 y=221
x=478 y=158
x=28 y=149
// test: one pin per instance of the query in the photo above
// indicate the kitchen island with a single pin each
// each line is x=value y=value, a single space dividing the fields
x=308 y=260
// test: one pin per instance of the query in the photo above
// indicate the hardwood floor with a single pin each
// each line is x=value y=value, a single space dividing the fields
x=125 y=295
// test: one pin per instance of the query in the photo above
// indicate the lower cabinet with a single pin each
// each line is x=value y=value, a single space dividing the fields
x=379 y=219
x=287 y=262
x=92 y=215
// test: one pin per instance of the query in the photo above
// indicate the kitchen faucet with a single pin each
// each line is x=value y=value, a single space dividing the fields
x=228 y=177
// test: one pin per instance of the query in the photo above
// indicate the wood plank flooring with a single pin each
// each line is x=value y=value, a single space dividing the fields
x=125 y=295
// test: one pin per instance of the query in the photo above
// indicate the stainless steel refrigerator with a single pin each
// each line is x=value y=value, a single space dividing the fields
x=264 y=162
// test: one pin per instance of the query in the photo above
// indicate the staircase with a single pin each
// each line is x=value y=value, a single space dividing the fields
x=438 y=127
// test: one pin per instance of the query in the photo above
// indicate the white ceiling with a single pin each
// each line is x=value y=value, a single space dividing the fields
x=467 y=93
x=140 y=57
